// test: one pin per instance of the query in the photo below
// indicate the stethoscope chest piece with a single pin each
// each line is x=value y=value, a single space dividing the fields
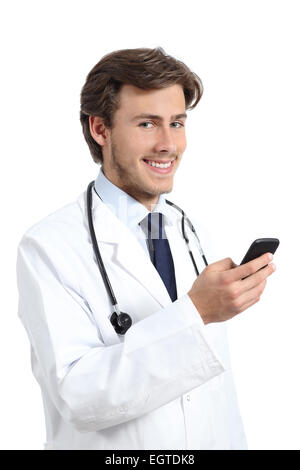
x=121 y=322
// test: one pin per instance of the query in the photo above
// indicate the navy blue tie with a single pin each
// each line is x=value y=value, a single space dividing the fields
x=160 y=252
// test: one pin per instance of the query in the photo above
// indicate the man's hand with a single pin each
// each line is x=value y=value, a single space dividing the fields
x=220 y=292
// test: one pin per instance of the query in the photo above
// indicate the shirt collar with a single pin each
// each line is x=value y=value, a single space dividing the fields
x=130 y=211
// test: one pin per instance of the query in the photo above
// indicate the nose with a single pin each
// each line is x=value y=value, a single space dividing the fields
x=165 y=141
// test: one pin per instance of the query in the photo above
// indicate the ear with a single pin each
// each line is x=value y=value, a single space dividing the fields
x=98 y=130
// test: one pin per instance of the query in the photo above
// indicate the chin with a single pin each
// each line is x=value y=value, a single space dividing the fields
x=164 y=190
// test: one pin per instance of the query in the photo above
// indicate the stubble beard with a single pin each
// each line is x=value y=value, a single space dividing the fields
x=127 y=181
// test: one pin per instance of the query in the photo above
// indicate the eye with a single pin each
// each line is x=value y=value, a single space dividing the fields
x=144 y=124
x=180 y=124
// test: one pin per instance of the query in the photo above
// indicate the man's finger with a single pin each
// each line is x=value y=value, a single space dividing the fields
x=252 y=294
x=258 y=277
x=240 y=272
x=222 y=265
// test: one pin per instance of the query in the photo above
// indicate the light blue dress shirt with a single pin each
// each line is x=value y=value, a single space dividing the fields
x=130 y=211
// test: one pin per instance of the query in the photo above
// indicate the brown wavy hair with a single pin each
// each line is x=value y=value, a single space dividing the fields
x=144 y=68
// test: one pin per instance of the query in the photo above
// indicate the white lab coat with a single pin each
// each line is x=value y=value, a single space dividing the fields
x=166 y=384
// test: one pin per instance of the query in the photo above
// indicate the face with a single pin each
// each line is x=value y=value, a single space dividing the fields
x=148 y=129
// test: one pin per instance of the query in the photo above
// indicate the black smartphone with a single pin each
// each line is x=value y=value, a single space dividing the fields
x=259 y=247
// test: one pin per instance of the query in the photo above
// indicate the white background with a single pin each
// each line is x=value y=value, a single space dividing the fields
x=240 y=170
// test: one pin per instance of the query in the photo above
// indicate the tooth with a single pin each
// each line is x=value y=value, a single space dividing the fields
x=159 y=165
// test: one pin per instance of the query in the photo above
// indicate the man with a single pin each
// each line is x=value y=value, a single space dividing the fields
x=166 y=383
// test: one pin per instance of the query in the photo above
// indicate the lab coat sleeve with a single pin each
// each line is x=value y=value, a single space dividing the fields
x=95 y=386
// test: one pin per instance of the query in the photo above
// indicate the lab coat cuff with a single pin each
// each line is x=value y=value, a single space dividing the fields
x=190 y=309
x=187 y=307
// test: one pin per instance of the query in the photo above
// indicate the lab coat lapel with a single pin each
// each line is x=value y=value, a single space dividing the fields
x=130 y=255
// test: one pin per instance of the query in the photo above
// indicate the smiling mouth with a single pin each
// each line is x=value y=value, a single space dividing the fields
x=159 y=163
x=159 y=167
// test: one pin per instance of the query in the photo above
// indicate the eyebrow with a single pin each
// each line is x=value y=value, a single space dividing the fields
x=155 y=116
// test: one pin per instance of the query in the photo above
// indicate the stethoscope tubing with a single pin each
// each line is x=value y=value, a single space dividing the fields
x=96 y=246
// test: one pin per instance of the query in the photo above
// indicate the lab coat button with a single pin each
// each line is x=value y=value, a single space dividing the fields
x=188 y=397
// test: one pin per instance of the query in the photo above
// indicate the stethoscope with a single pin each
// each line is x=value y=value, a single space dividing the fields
x=122 y=321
